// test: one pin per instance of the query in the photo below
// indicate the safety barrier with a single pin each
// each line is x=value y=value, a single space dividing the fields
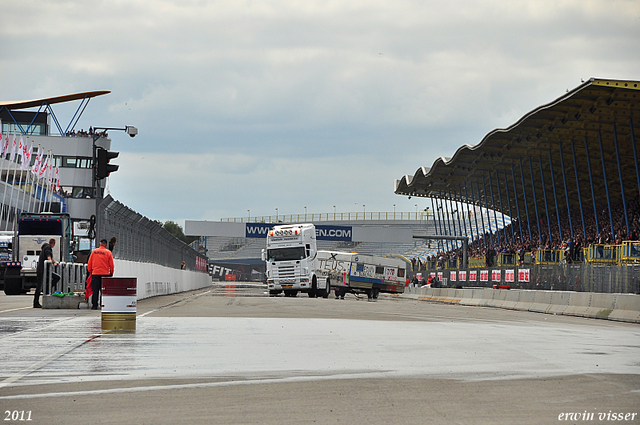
x=63 y=285
x=579 y=277
x=549 y=256
x=619 y=307
x=602 y=254
x=630 y=252
x=476 y=262
x=506 y=259
x=72 y=277
x=154 y=279
x=143 y=240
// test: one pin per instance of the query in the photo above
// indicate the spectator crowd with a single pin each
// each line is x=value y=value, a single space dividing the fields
x=548 y=236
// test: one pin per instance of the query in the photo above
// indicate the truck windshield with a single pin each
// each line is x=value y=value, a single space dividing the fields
x=39 y=227
x=285 y=254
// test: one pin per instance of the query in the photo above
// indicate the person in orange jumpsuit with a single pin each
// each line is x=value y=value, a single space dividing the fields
x=100 y=265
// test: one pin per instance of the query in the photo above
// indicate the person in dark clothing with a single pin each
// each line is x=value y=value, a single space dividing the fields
x=112 y=243
x=46 y=253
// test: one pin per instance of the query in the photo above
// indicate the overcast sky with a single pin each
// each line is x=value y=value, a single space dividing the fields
x=258 y=105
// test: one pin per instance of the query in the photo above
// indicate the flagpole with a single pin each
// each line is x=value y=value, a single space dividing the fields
x=32 y=191
x=26 y=165
x=48 y=172
x=35 y=169
x=11 y=159
x=3 y=152
x=41 y=198
x=21 y=152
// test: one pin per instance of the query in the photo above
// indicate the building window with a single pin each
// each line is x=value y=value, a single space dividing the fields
x=75 y=162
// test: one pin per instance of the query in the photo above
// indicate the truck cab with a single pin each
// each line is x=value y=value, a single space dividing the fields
x=291 y=257
x=32 y=231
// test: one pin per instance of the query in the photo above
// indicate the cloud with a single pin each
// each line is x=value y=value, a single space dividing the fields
x=237 y=94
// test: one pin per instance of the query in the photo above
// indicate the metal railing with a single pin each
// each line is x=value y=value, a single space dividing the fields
x=582 y=277
x=72 y=277
x=336 y=216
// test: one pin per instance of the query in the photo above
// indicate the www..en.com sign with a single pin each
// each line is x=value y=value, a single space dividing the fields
x=323 y=233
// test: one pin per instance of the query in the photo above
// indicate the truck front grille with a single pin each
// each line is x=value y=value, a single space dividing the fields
x=286 y=272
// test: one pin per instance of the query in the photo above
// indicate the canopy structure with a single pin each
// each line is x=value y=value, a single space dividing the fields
x=567 y=158
x=25 y=104
x=44 y=104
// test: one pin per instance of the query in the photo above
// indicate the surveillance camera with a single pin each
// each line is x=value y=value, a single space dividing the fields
x=131 y=130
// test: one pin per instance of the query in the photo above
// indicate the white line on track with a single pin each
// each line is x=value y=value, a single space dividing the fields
x=173 y=303
x=198 y=385
x=15 y=309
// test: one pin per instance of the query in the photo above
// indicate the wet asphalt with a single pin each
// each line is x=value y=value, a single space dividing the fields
x=232 y=354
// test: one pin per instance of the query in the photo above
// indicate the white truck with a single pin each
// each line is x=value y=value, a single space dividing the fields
x=295 y=265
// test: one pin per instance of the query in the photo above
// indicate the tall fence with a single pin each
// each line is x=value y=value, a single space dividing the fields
x=140 y=239
x=567 y=277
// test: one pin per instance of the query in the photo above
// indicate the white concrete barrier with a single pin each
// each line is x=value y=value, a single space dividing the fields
x=559 y=302
x=579 y=303
x=499 y=298
x=536 y=301
x=621 y=307
x=627 y=308
x=601 y=305
x=154 y=280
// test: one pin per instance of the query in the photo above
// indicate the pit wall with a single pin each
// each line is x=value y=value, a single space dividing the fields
x=619 y=307
x=154 y=279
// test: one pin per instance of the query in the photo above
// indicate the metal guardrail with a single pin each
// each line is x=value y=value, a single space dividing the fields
x=72 y=277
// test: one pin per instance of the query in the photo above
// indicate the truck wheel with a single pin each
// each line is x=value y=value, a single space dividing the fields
x=273 y=292
x=313 y=291
x=374 y=293
x=327 y=290
x=12 y=285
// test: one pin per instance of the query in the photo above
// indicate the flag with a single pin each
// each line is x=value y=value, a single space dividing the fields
x=88 y=288
x=57 y=179
x=43 y=168
x=50 y=174
x=26 y=157
x=36 y=166
x=5 y=145
x=13 y=148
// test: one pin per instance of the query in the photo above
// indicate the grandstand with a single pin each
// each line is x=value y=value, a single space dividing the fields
x=563 y=171
x=568 y=174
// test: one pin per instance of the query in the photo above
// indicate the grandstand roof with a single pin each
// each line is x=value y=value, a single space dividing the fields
x=598 y=115
x=25 y=104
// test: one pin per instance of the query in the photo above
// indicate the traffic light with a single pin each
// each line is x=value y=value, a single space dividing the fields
x=103 y=168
